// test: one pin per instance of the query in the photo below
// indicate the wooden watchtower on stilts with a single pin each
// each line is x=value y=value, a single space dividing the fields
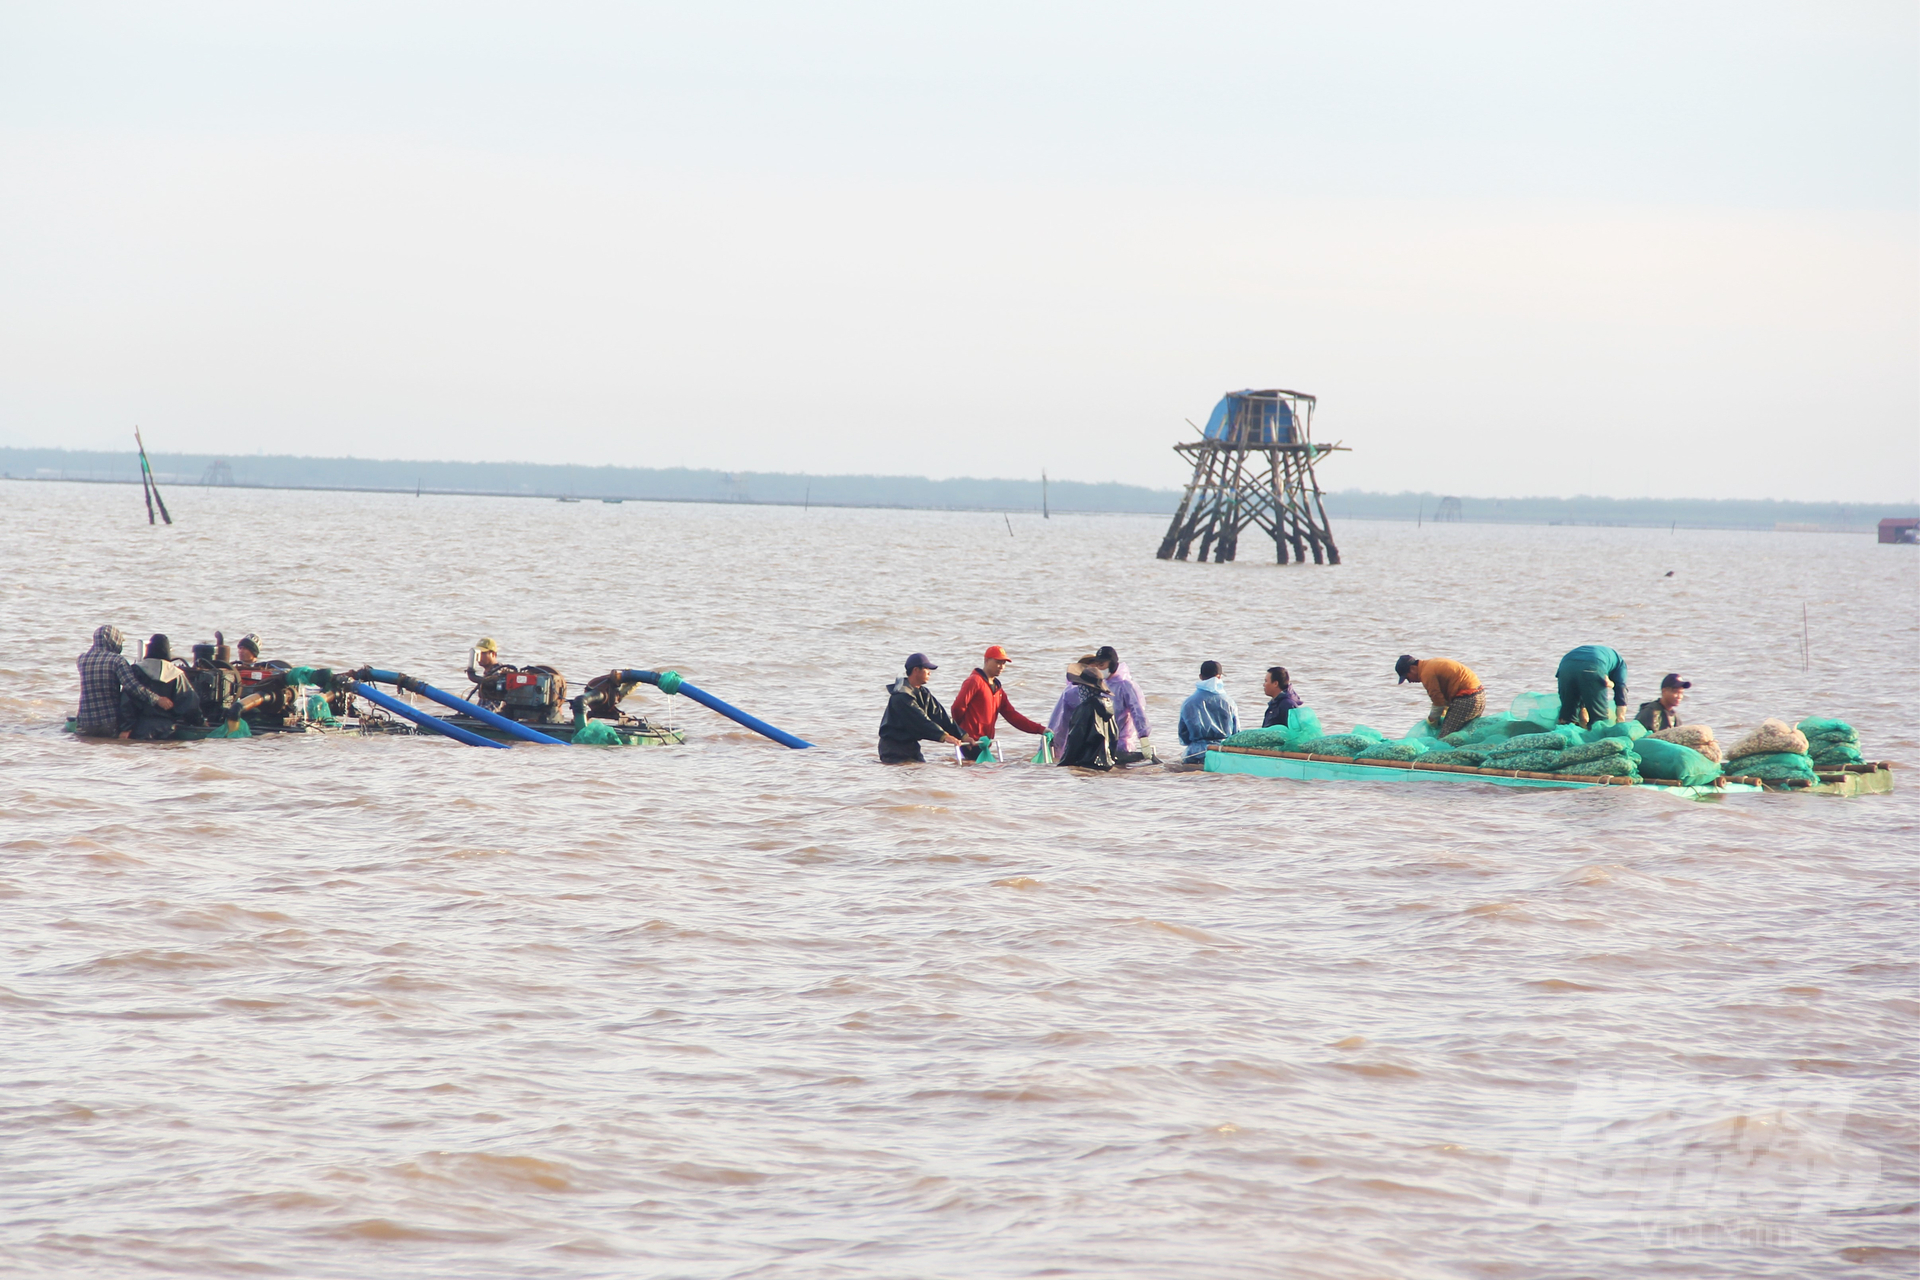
x=1254 y=465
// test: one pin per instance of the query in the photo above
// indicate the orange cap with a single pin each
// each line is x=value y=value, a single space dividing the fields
x=997 y=651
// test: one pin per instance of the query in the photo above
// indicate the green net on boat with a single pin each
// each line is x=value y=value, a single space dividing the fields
x=237 y=729
x=1535 y=708
x=598 y=733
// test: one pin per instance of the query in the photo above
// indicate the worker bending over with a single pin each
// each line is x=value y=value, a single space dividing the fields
x=1456 y=693
x=1585 y=676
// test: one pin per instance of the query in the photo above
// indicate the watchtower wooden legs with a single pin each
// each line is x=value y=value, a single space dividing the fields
x=1282 y=497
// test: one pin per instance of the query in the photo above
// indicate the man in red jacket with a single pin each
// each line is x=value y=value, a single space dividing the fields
x=981 y=701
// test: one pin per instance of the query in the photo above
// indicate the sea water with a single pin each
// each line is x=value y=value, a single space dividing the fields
x=342 y=1006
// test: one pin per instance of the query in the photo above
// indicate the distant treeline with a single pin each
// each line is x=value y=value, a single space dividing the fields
x=680 y=484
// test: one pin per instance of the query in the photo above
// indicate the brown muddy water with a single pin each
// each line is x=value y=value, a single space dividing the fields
x=343 y=1006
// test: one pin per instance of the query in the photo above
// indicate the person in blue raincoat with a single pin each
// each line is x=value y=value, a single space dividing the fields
x=1208 y=714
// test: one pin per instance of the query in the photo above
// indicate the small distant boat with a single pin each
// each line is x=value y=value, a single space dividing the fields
x=613 y=502
x=566 y=499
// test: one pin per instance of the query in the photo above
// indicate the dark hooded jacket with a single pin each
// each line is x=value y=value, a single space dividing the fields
x=913 y=716
x=1091 y=734
x=164 y=679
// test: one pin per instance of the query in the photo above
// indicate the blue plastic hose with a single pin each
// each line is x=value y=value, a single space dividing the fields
x=670 y=682
x=480 y=713
x=432 y=723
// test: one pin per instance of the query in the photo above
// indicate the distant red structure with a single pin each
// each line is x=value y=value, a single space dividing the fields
x=1900 y=529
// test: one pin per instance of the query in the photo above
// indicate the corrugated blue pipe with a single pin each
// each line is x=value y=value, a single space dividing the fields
x=670 y=682
x=480 y=713
x=433 y=724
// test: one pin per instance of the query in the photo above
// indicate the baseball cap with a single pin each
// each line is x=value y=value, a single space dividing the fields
x=996 y=651
x=1402 y=666
x=921 y=660
x=1675 y=682
x=487 y=645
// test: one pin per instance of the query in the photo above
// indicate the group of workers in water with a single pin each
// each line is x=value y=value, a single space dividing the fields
x=1100 y=720
x=152 y=697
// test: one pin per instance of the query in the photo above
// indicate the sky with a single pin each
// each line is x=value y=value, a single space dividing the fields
x=1661 y=249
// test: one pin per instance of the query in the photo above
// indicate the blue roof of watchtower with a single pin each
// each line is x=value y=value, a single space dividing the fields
x=1265 y=417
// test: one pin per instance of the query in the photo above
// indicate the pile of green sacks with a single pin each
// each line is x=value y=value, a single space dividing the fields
x=1831 y=744
x=1523 y=738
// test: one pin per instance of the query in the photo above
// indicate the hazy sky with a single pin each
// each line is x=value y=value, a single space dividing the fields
x=1659 y=249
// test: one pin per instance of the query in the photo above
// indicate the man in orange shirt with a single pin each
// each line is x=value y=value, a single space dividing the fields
x=981 y=701
x=1452 y=688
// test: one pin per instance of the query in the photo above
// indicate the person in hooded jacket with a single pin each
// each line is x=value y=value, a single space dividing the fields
x=914 y=715
x=1090 y=736
x=1208 y=714
x=107 y=685
x=1129 y=709
x=174 y=702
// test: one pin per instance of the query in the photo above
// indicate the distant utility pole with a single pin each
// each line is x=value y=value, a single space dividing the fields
x=1044 y=514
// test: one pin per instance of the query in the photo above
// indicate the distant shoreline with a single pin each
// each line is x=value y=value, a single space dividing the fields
x=617 y=499
x=555 y=481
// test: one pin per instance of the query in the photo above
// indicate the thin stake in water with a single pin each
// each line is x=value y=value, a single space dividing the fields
x=151 y=489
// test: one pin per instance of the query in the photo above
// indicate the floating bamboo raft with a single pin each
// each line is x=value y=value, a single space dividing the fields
x=1855 y=779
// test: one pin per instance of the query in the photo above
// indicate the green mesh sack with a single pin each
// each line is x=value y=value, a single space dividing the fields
x=1524 y=761
x=1368 y=732
x=317 y=708
x=1779 y=766
x=598 y=733
x=1531 y=742
x=1616 y=765
x=1391 y=751
x=1456 y=755
x=1535 y=708
x=1819 y=730
x=1673 y=762
x=1274 y=739
x=238 y=729
x=1421 y=731
x=1604 y=749
x=1832 y=755
x=1630 y=730
x=1336 y=744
